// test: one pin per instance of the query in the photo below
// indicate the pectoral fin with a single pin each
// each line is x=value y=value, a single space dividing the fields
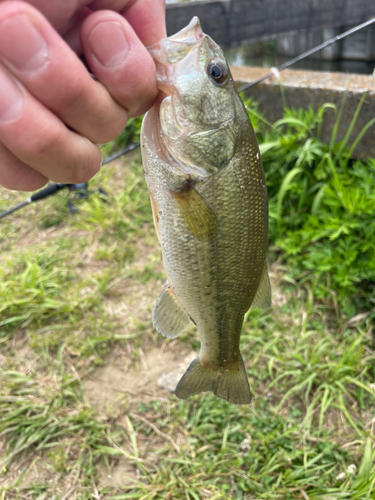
x=168 y=317
x=194 y=211
x=263 y=298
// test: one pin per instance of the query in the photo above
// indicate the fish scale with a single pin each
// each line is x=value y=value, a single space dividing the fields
x=210 y=210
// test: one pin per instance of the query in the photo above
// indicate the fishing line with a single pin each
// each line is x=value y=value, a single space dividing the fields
x=51 y=189
x=307 y=54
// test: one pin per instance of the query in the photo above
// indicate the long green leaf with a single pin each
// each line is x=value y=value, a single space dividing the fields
x=337 y=123
x=284 y=187
x=356 y=142
x=351 y=126
x=318 y=199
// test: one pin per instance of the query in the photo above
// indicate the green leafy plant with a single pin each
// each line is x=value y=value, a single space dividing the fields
x=322 y=202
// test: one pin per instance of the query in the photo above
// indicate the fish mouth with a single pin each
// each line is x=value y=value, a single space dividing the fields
x=180 y=117
x=173 y=49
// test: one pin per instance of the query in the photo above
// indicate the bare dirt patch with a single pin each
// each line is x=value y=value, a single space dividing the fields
x=140 y=382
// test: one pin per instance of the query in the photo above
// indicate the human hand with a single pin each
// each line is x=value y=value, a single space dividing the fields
x=52 y=112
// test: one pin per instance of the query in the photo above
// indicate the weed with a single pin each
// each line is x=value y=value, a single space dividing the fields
x=322 y=206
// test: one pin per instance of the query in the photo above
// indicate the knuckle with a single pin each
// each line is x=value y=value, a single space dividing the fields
x=72 y=97
x=85 y=164
x=143 y=100
x=105 y=119
x=43 y=143
x=109 y=131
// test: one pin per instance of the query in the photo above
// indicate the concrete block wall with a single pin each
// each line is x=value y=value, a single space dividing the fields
x=297 y=43
x=314 y=88
x=233 y=23
x=358 y=46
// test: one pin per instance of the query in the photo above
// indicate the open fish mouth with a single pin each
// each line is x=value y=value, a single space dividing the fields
x=173 y=49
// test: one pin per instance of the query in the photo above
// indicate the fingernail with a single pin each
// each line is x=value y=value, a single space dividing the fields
x=11 y=99
x=109 y=44
x=22 y=45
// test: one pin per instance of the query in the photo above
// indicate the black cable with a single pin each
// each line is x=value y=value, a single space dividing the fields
x=120 y=153
x=51 y=189
x=308 y=53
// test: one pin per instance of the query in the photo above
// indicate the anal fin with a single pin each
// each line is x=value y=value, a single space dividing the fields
x=263 y=298
x=168 y=317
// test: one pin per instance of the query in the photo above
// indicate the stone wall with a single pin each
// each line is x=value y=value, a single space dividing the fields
x=313 y=88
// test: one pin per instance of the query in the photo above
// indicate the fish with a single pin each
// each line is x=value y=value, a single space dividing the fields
x=209 y=202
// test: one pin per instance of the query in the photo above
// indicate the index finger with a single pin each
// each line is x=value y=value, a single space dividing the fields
x=147 y=17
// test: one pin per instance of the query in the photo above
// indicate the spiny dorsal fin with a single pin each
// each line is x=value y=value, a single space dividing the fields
x=168 y=317
x=263 y=298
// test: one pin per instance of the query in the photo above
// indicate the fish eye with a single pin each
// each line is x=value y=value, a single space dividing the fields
x=217 y=71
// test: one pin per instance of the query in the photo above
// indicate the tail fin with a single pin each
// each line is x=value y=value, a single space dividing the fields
x=231 y=385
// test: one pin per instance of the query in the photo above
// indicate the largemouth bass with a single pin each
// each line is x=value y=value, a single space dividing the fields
x=209 y=202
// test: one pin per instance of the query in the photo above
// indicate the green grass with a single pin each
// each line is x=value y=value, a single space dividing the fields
x=321 y=202
x=65 y=280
